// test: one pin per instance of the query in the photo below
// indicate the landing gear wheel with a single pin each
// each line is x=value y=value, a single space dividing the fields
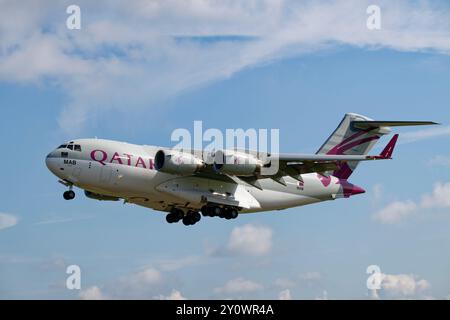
x=170 y=218
x=206 y=211
x=196 y=217
x=192 y=217
x=69 y=195
x=233 y=213
x=217 y=211
x=174 y=216
x=187 y=221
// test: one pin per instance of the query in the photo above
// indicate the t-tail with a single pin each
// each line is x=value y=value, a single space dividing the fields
x=357 y=135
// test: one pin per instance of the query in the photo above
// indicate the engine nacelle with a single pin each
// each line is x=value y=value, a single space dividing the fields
x=236 y=163
x=175 y=162
x=100 y=197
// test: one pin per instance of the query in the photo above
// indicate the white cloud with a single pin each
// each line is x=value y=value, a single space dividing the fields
x=148 y=283
x=92 y=293
x=323 y=296
x=174 y=295
x=399 y=210
x=377 y=192
x=284 y=283
x=285 y=295
x=395 y=212
x=403 y=285
x=250 y=240
x=149 y=276
x=179 y=263
x=143 y=284
x=7 y=220
x=439 y=198
x=165 y=56
x=439 y=161
x=310 y=276
x=239 y=285
x=425 y=134
x=63 y=220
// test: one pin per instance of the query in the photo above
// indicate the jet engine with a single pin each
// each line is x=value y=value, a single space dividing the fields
x=175 y=162
x=100 y=197
x=236 y=163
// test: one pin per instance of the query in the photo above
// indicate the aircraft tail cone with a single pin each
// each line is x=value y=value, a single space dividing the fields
x=349 y=189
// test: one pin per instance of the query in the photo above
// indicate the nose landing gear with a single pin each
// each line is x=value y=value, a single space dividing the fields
x=69 y=195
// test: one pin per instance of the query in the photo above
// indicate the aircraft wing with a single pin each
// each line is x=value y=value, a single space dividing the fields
x=294 y=165
x=294 y=157
x=274 y=166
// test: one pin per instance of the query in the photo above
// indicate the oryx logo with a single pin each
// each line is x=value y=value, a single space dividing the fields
x=325 y=180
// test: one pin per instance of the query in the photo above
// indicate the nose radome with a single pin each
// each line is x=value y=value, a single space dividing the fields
x=47 y=162
x=50 y=163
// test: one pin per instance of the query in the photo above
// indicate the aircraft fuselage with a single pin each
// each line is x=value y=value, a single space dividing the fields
x=127 y=171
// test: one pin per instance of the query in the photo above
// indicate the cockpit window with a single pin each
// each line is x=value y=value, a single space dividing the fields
x=70 y=146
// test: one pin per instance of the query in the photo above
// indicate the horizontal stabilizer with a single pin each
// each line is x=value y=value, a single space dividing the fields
x=376 y=124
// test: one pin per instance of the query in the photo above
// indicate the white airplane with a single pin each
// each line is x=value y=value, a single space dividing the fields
x=184 y=184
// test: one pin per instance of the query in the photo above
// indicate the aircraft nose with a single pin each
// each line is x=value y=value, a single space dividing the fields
x=50 y=161
x=47 y=160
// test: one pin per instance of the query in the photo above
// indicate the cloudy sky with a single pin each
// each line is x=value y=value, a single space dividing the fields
x=137 y=70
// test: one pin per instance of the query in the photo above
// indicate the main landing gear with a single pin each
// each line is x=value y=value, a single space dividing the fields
x=192 y=217
x=175 y=215
x=216 y=211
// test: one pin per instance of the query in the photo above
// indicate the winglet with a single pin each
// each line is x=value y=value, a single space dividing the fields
x=389 y=149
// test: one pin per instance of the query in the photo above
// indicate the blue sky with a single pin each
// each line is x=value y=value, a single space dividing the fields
x=95 y=83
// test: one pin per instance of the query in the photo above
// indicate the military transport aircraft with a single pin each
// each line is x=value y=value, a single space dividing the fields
x=228 y=183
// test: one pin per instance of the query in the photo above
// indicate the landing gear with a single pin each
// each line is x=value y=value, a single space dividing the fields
x=69 y=195
x=175 y=215
x=209 y=210
x=216 y=211
x=231 y=213
x=191 y=218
